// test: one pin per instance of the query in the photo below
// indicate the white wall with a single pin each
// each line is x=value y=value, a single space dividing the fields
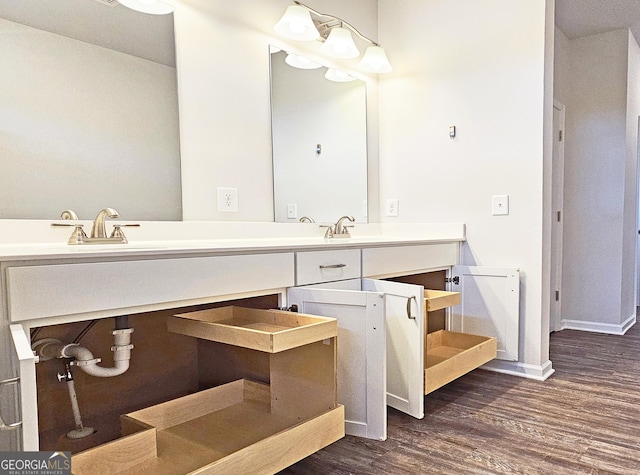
x=600 y=182
x=561 y=67
x=481 y=67
x=630 y=211
x=85 y=127
x=477 y=65
x=223 y=82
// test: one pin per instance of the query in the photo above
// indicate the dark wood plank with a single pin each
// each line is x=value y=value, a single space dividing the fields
x=585 y=419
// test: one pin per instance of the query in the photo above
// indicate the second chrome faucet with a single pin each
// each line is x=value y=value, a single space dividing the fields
x=339 y=230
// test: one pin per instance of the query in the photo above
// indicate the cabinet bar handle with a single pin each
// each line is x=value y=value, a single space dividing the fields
x=409 y=299
x=3 y=424
x=333 y=266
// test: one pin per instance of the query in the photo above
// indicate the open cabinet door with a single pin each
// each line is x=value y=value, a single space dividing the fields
x=361 y=351
x=405 y=326
x=26 y=381
x=490 y=305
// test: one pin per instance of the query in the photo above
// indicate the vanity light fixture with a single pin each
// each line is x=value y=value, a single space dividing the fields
x=300 y=62
x=298 y=24
x=339 y=44
x=338 y=76
x=153 y=7
x=375 y=60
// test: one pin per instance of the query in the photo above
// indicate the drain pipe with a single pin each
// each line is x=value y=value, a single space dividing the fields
x=84 y=359
x=80 y=431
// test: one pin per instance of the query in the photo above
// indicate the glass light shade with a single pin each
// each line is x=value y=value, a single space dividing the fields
x=296 y=24
x=300 y=62
x=338 y=76
x=375 y=60
x=154 y=7
x=339 y=44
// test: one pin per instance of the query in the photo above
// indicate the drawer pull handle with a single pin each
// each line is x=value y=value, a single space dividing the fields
x=409 y=299
x=3 y=424
x=333 y=266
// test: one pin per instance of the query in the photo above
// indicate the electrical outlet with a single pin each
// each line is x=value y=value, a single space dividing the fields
x=227 y=199
x=292 y=211
x=391 y=207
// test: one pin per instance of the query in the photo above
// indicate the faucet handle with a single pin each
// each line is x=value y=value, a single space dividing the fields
x=118 y=234
x=329 y=232
x=78 y=235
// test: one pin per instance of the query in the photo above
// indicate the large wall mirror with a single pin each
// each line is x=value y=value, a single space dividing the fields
x=89 y=111
x=319 y=138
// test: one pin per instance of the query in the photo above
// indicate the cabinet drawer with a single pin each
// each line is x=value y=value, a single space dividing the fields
x=67 y=289
x=403 y=260
x=263 y=330
x=226 y=429
x=450 y=355
x=438 y=299
x=327 y=266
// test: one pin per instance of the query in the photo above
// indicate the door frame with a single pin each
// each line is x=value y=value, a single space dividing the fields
x=557 y=217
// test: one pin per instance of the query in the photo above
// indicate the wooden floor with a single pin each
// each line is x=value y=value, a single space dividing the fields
x=585 y=419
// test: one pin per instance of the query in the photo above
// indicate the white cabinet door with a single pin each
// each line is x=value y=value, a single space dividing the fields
x=361 y=350
x=26 y=382
x=490 y=301
x=405 y=327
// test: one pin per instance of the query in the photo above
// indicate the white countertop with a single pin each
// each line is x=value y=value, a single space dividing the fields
x=37 y=239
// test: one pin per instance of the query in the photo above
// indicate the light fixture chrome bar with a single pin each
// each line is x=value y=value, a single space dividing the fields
x=340 y=20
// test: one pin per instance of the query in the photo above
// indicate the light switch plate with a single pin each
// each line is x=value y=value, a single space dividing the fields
x=500 y=205
x=292 y=211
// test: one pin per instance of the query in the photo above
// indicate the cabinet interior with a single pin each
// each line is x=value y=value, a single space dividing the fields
x=164 y=366
x=429 y=280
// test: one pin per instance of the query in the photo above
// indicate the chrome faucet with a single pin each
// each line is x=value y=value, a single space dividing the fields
x=342 y=229
x=98 y=230
x=338 y=230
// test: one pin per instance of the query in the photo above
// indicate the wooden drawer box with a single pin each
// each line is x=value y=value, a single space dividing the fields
x=263 y=330
x=229 y=429
x=449 y=355
x=242 y=426
x=439 y=299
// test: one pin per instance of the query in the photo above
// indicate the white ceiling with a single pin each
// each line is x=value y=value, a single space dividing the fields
x=112 y=26
x=577 y=18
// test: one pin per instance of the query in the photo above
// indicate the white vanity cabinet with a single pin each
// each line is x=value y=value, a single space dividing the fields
x=386 y=354
x=380 y=349
x=39 y=293
x=383 y=343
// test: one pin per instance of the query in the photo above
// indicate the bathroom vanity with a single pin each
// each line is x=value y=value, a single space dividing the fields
x=394 y=342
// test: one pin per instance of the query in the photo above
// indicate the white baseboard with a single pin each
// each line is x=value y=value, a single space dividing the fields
x=597 y=327
x=524 y=370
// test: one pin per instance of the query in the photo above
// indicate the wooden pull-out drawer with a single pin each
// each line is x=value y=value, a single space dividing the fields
x=242 y=426
x=227 y=429
x=438 y=299
x=263 y=330
x=450 y=355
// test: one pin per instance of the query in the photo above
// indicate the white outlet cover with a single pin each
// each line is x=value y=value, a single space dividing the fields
x=227 y=199
x=391 y=207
